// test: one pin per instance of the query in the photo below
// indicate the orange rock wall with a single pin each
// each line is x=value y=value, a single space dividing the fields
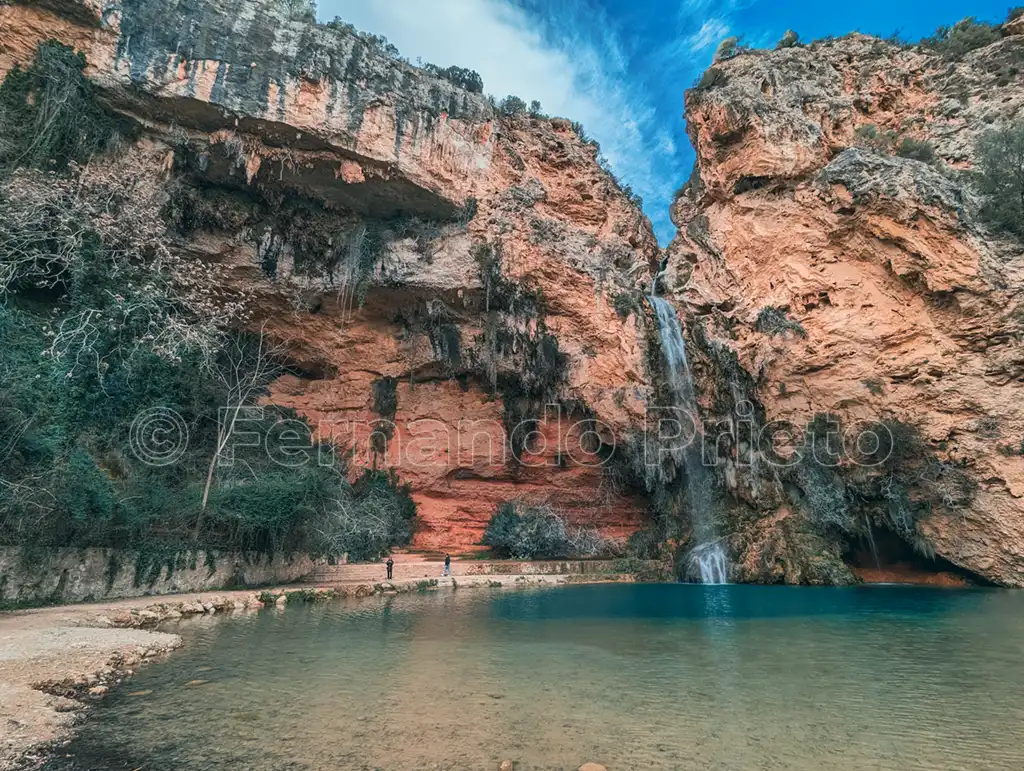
x=911 y=306
x=268 y=108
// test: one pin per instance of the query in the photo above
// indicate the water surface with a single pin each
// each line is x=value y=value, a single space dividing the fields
x=632 y=676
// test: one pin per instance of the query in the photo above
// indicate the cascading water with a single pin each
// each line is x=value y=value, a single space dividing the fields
x=707 y=561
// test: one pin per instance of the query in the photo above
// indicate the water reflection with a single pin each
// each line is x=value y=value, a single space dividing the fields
x=654 y=677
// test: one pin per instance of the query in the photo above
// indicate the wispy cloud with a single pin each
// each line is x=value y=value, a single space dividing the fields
x=711 y=33
x=566 y=55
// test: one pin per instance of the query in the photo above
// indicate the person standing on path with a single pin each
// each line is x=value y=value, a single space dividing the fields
x=447 y=564
x=391 y=564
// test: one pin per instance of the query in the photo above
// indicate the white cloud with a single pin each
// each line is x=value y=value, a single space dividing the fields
x=711 y=33
x=573 y=63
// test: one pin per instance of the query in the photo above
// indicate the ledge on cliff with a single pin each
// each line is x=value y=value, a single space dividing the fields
x=317 y=104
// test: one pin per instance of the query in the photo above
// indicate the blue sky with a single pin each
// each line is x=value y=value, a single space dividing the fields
x=621 y=66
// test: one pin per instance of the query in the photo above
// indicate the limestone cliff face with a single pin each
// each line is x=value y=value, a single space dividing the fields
x=398 y=236
x=910 y=308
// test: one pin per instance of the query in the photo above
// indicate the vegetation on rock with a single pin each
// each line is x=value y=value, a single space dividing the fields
x=49 y=112
x=119 y=355
x=967 y=35
x=774 y=320
x=1000 y=177
x=524 y=531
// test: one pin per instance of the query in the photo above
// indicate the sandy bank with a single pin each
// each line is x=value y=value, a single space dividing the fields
x=55 y=662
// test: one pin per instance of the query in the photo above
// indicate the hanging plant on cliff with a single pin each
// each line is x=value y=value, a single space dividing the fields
x=126 y=290
x=49 y=112
x=774 y=320
x=1000 y=177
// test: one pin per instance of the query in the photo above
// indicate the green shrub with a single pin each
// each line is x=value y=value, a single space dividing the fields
x=461 y=77
x=963 y=37
x=789 y=40
x=727 y=49
x=366 y=520
x=300 y=10
x=524 y=531
x=919 y=150
x=869 y=136
x=874 y=385
x=512 y=107
x=624 y=304
x=773 y=320
x=1000 y=177
x=1014 y=13
x=713 y=77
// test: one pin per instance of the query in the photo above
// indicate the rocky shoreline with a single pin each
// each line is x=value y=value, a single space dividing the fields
x=56 y=662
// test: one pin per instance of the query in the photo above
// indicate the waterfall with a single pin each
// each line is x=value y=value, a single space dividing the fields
x=707 y=561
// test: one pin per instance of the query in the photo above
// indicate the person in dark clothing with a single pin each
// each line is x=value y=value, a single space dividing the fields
x=391 y=564
x=447 y=565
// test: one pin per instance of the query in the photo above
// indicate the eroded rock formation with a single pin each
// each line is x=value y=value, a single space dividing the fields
x=825 y=277
x=459 y=291
x=428 y=263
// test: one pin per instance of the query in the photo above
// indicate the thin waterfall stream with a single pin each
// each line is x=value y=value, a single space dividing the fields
x=707 y=561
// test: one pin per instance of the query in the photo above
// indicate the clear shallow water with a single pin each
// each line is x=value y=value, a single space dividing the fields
x=636 y=677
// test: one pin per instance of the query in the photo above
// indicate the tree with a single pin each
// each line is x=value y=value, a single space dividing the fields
x=963 y=37
x=1000 y=177
x=727 y=49
x=246 y=366
x=788 y=40
x=512 y=106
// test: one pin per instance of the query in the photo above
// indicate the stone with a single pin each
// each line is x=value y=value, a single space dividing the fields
x=98 y=690
x=506 y=765
x=592 y=767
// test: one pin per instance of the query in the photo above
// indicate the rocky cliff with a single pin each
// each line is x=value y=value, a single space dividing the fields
x=832 y=272
x=458 y=289
x=442 y=276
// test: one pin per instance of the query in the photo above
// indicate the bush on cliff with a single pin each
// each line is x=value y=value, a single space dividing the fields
x=963 y=37
x=300 y=10
x=512 y=107
x=1000 y=177
x=524 y=531
x=460 y=76
x=789 y=40
x=774 y=320
x=712 y=78
x=917 y=149
x=727 y=49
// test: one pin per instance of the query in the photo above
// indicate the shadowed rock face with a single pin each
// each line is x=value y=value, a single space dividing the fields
x=911 y=307
x=498 y=244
